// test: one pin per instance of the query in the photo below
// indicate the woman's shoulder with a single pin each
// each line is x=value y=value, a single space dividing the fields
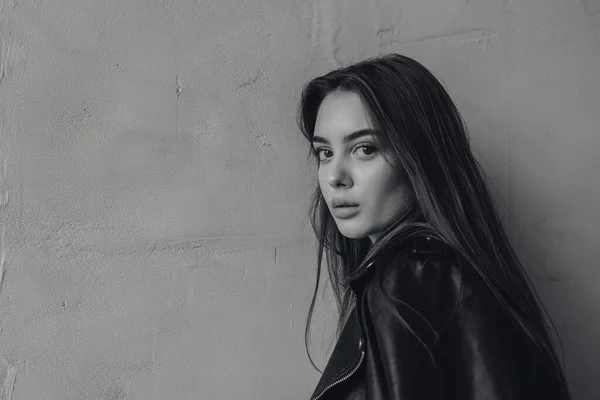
x=425 y=263
x=421 y=267
x=418 y=256
x=432 y=280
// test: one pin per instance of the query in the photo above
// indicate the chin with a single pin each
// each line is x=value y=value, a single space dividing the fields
x=352 y=232
x=352 y=236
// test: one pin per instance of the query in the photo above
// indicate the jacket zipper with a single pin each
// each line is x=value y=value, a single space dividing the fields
x=347 y=375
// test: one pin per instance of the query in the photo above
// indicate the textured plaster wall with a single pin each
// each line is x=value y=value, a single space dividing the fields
x=154 y=187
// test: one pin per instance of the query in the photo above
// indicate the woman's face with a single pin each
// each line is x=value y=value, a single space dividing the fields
x=353 y=171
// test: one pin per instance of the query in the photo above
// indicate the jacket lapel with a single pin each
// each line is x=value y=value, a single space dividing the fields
x=346 y=354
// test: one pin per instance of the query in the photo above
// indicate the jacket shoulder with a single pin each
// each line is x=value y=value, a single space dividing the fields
x=419 y=264
x=429 y=278
x=421 y=259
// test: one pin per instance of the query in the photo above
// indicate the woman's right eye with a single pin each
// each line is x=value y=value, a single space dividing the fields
x=323 y=154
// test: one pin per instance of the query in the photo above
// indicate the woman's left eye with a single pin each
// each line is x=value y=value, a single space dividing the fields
x=367 y=149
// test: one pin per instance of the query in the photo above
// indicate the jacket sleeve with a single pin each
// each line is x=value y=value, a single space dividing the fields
x=429 y=336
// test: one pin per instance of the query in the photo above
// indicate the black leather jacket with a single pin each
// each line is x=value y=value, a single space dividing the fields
x=467 y=349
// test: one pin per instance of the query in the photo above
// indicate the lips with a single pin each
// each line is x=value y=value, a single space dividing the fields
x=345 y=212
x=344 y=209
x=335 y=203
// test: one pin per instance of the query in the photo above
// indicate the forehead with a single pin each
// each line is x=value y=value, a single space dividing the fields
x=341 y=113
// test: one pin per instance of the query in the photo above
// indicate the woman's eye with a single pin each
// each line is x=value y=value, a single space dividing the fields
x=323 y=153
x=367 y=149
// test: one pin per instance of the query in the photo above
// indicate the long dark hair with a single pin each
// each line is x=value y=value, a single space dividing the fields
x=423 y=134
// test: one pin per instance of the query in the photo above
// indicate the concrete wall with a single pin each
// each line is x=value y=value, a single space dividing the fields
x=154 y=187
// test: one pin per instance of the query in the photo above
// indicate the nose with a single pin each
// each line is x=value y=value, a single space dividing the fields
x=338 y=175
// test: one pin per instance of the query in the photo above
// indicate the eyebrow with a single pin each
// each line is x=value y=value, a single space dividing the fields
x=347 y=138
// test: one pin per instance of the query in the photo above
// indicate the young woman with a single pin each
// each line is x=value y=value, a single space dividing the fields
x=434 y=303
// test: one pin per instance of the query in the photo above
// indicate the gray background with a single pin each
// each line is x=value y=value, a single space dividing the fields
x=154 y=186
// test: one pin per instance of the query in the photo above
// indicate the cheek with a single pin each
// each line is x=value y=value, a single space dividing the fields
x=386 y=187
x=322 y=183
x=379 y=180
